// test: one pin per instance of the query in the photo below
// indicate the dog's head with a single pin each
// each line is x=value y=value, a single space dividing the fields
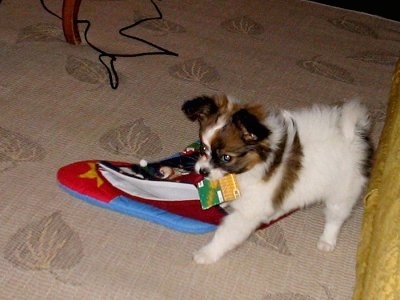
x=233 y=137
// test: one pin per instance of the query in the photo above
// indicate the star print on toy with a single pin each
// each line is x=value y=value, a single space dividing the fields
x=92 y=174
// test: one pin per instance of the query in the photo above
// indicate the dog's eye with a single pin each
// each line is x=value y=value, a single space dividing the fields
x=225 y=158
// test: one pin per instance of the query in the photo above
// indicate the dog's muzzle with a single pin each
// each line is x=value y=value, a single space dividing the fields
x=204 y=171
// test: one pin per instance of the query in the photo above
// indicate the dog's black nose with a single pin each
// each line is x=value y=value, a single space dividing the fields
x=204 y=171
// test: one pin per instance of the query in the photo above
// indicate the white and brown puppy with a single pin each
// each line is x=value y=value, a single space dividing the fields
x=283 y=160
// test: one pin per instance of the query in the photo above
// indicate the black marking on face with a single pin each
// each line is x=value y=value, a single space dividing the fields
x=251 y=128
x=232 y=155
x=199 y=108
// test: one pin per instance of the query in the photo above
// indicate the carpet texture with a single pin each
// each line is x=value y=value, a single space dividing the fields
x=57 y=107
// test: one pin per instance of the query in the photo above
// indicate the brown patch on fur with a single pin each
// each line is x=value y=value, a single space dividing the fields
x=290 y=174
x=257 y=110
x=222 y=102
x=229 y=141
x=277 y=159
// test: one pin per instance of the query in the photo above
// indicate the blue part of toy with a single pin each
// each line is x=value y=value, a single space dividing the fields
x=147 y=212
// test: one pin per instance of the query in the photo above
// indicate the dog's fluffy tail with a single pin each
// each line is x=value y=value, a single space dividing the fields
x=355 y=120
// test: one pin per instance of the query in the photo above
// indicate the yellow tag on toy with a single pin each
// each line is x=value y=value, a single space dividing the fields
x=214 y=192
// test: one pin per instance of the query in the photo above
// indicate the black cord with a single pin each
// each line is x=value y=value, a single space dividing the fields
x=112 y=73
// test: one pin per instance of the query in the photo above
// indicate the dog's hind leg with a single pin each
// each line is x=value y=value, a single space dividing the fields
x=335 y=215
x=338 y=209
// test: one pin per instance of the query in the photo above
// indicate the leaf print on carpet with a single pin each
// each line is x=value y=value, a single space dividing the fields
x=16 y=148
x=47 y=244
x=376 y=57
x=132 y=139
x=41 y=32
x=298 y=296
x=354 y=27
x=273 y=238
x=244 y=25
x=195 y=70
x=86 y=70
x=162 y=26
x=328 y=70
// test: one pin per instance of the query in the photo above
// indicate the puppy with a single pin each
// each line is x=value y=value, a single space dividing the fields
x=283 y=160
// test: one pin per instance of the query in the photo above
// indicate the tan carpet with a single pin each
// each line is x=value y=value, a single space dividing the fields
x=57 y=107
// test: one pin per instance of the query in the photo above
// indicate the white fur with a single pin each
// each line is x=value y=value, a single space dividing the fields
x=331 y=172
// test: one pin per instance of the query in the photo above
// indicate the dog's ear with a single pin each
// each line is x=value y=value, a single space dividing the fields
x=252 y=130
x=199 y=108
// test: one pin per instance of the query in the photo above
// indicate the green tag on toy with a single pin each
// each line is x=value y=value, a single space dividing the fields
x=214 y=192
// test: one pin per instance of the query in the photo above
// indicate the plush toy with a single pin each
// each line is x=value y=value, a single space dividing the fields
x=167 y=192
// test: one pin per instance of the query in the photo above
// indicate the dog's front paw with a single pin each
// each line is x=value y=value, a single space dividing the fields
x=205 y=256
x=325 y=246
